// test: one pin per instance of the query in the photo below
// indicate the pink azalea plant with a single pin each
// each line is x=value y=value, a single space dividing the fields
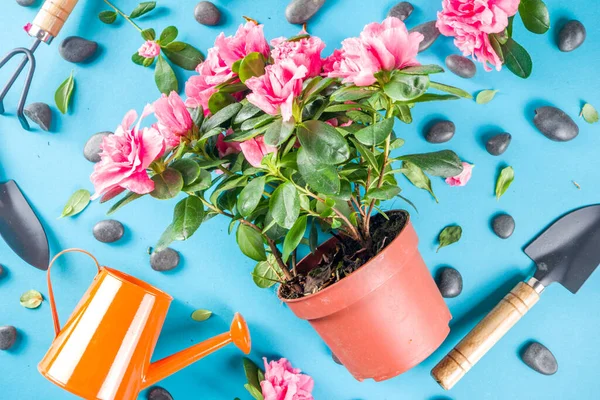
x=483 y=29
x=278 y=381
x=282 y=140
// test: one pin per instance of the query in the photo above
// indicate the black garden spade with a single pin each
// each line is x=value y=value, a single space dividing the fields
x=567 y=252
x=21 y=228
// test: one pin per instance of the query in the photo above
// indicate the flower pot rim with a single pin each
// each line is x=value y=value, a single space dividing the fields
x=333 y=239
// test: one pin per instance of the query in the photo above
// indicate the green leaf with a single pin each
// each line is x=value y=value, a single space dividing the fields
x=315 y=86
x=535 y=16
x=62 y=96
x=250 y=196
x=148 y=62
x=323 y=142
x=285 y=205
x=251 y=243
x=396 y=144
x=108 y=17
x=403 y=113
x=251 y=371
x=406 y=87
x=322 y=178
x=375 y=134
x=220 y=100
x=279 y=131
x=76 y=203
x=165 y=78
x=450 y=89
x=366 y=154
x=189 y=169
x=31 y=299
x=497 y=45
x=187 y=218
x=257 y=122
x=589 y=113
x=167 y=184
x=267 y=273
x=506 y=177
x=444 y=163
x=254 y=392
x=248 y=111
x=203 y=182
x=168 y=35
x=137 y=59
x=128 y=198
x=252 y=65
x=293 y=237
x=417 y=177
x=148 y=34
x=509 y=28
x=350 y=93
x=448 y=236
x=221 y=116
x=142 y=8
x=201 y=315
x=517 y=59
x=485 y=96
x=175 y=46
x=385 y=192
x=427 y=97
x=422 y=70
x=188 y=58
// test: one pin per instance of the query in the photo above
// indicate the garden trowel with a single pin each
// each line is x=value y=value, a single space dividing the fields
x=21 y=228
x=567 y=252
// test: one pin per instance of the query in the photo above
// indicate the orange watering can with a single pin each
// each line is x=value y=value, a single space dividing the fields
x=103 y=352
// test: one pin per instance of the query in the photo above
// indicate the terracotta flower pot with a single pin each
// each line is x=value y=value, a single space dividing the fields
x=384 y=318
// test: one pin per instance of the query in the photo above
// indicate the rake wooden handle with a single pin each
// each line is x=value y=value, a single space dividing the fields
x=485 y=335
x=53 y=15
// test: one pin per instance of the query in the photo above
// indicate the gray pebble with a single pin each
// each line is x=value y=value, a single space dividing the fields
x=108 y=231
x=91 y=150
x=540 y=359
x=206 y=13
x=158 y=393
x=498 y=144
x=39 y=113
x=8 y=337
x=441 y=132
x=461 y=66
x=335 y=359
x=555 y=124
x=430 y=33
x=571 y=36
x=300 y=11
x=401 y=10
x=76 y=49
x=26 y=3
x=449 y=281
x=503 y=225
x=1 y=270
x=164 y=260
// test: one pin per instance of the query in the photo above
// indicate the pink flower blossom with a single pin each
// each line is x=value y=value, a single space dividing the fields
x=462 y=178
x=213 y=72
x=274 y=92
x=149 y=49
x=226 y=148
x=174 y=120
x=305 y=52
x=125 y=157
x=249 y=38
x=386 y=46
x=471 y=21
x=282 y=382
x=255 y=149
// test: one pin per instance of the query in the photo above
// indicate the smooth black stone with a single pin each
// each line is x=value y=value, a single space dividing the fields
x=91 y=150
x=158 y=393
x=40 y=113
x=8 y=337
x=555 y=124
x=164 y=260
x=430 y=33
x=401 y=10
x=300 y=11
x=449 y=281
x=26 y=3
x=108 y=231
x=461 y=66
x=1 y=270
x=207 y=13
x=498 y=144
x=540 y=359
x=77 y=49
x=571 y=36
x=441 y=132
x=335 y=359
x=503 y=225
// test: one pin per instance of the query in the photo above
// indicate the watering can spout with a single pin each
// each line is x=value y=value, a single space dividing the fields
x=238 y=334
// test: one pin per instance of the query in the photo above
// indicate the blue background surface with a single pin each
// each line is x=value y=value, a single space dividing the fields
x=213 y=274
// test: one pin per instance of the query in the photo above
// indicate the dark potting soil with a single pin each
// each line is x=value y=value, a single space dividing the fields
x=346 y=257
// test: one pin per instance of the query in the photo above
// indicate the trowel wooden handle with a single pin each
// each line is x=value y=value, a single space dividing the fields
x=53 y=15
x=485 y=335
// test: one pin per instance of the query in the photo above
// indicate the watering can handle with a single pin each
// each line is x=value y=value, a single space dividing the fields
x=51 y=293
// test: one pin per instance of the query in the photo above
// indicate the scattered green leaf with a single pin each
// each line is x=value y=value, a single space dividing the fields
x=589 y=113
x=485 y=96
x=108 y=17
x=506 y=177
x=201 y=315
x=448 y=236
x=142 y=8
x=517 y=59
x=76 y=203
x=535 y=16
x=31 y=299
x=63 y=94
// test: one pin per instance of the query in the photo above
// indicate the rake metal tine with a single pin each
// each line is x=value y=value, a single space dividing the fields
x=25 y=92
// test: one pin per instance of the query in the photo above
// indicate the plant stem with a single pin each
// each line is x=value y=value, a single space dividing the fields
x=123 y=15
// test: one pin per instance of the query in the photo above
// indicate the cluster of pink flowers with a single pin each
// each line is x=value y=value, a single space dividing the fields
x=471 y=22
x=283 y=382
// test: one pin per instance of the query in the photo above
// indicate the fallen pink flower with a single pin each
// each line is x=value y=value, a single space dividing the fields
x=149 y=49
x=463 y=178
x=283 y=382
